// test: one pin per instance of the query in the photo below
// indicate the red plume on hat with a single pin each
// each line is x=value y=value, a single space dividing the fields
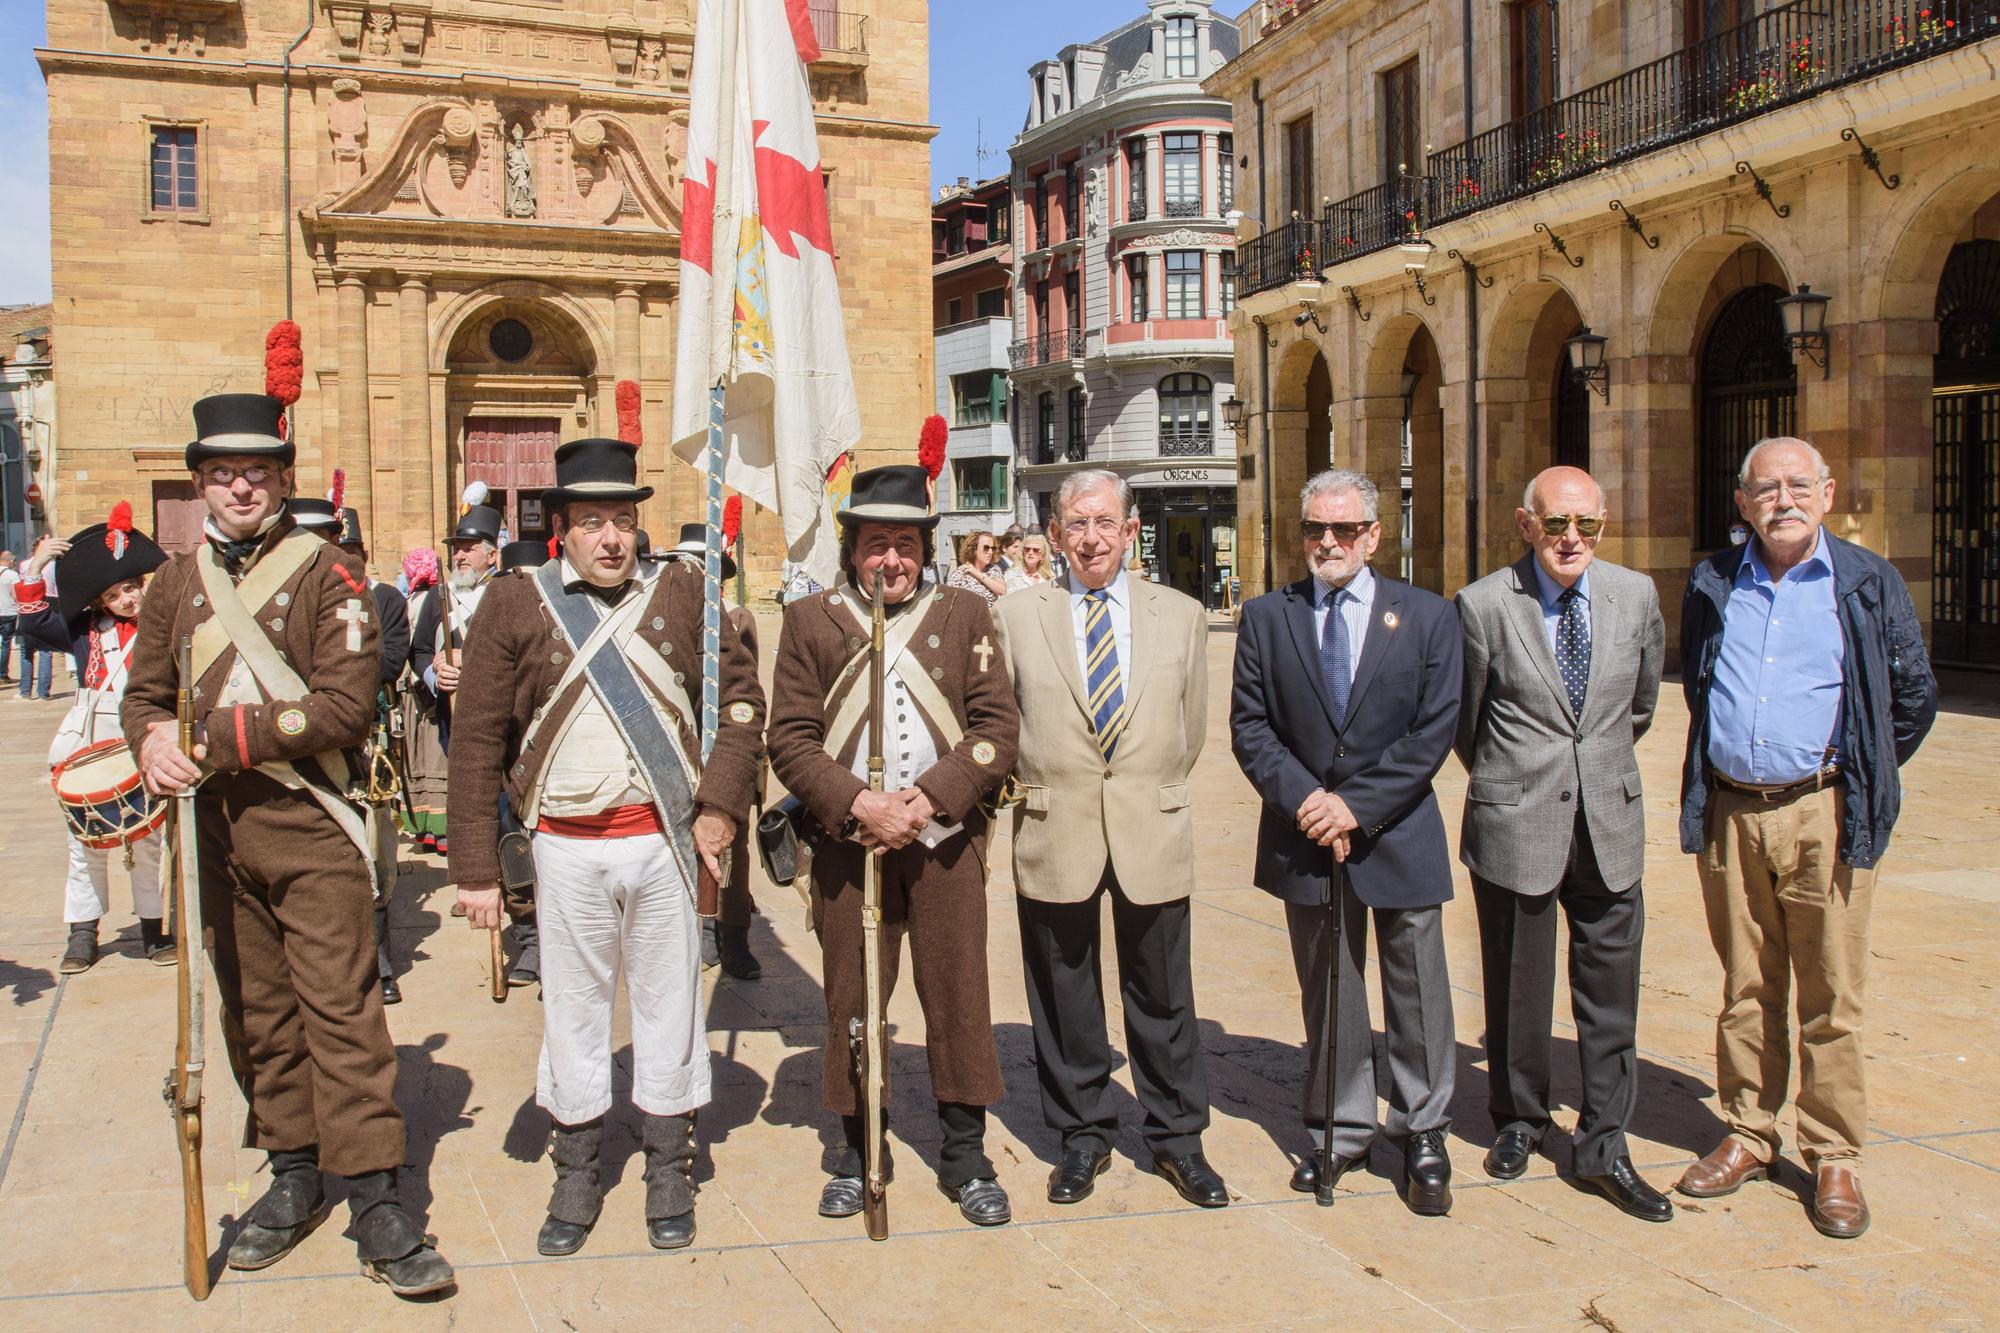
x=118 y=528
x=284 y=366
x=732 y=520
x=931 y=445
x=628 y=413
x=336 y=494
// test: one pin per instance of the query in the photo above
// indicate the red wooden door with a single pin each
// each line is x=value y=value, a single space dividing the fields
x=515 y=457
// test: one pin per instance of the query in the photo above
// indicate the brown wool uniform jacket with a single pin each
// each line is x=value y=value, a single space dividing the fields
x=955 y=643
x=322 y=620
x=514 y=656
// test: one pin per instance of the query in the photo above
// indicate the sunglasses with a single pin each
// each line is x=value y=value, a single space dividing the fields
x=1343 y=533
x=1555 y=525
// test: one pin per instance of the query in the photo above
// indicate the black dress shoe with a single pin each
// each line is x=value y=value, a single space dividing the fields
x=841 y=1197
x=1508 y=1158
x=670 y=1233
x=421 y=1272
x=1076 y=1174
x=1196 y=1180
x=1629 y=1190
x=1305 y=1176
x=1427 y=1171
x=557 y=1237
x=980 y=1202
x=391 y=992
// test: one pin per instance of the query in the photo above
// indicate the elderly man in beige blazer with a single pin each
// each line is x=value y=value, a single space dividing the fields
x=1112 y=679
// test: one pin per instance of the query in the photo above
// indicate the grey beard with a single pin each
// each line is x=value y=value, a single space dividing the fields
x=464 y=580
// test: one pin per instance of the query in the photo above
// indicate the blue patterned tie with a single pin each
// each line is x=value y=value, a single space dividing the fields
x=1573 y=648
x=1104 y=687
x=1335 y=658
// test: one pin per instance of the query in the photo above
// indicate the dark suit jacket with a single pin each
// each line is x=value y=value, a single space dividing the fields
x=1401 y=716
x=394 y=619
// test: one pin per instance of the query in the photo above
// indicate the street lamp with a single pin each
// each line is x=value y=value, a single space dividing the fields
x=1804 y=312
x=1232 y=414
x=1586 y=361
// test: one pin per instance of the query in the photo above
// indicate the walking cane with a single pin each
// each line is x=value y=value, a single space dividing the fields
x=1330 y=1024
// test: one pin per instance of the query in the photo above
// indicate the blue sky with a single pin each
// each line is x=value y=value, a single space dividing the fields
x=979 y=92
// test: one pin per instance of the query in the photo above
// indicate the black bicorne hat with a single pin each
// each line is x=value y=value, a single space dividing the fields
x=897 y=494
x=480 y=524
x=694 y=544
x=316 y=516
x=523 y=555
x=240 y=425
x=100 y=556
x=596 y=469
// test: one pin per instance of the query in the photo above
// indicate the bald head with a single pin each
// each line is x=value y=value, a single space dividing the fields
x=1569 y=501
x=1564 y=481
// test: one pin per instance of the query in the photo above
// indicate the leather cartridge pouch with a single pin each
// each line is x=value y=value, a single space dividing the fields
x=778 y=839
x=517 y=864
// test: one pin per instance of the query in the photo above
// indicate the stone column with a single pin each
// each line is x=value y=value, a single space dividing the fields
x=1156 y=185
x=1156 y=284
x=419 y=470
x=354 y=451
x=1211 y=172
x=1211 y=284
x=625 y=304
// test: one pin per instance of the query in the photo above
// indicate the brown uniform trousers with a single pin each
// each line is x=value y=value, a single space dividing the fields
x=938 y=899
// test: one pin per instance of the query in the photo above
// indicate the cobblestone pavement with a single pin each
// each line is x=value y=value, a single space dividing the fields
x=89 y=1187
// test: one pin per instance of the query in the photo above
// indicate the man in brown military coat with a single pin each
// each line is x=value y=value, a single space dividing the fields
x=948 y=739
x=286 y=659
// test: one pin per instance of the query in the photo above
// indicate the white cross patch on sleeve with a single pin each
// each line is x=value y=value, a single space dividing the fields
x=351 y=612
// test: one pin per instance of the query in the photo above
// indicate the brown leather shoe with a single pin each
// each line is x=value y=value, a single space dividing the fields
x=1838 y=1210
x=1721 y=1172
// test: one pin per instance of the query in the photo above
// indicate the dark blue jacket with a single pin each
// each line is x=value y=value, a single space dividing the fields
x=1888 y=694
x=1401 y=717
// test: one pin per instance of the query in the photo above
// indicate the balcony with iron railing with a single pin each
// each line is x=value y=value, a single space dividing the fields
x=1183 y=208
x=1187 y=441
x=1779 y=58
x=1051 y=345
x=1135 y=208
x=1073 y=450
x=839 y=33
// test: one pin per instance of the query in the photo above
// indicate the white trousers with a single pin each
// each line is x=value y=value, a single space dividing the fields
x=87 y=895
x=603 y=902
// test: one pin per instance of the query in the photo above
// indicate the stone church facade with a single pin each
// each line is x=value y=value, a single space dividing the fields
x=482 y=238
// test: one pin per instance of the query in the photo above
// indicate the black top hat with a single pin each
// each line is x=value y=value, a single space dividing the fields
x=315 y=516
x=694 y=543
x=480 y=524
x=898 y=494
x=240 y=425
x=98 y=558
x=596 y=470
x=523 y=555
x=350 y=528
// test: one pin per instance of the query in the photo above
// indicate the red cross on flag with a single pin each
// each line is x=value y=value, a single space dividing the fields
x=760 y=314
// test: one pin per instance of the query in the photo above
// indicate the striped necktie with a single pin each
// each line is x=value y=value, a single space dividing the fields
x=1104 y=687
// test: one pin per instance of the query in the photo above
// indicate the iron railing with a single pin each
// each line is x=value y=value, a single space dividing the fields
x=838 y=30
x=1074 y=450
x=1187 y=441
x=1281 y=255
x=1782 y=56
x=1135 y=208
x=1053 y=345
x=1183 y=208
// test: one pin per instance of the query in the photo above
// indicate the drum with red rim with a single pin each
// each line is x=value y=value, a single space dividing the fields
x=102 y=797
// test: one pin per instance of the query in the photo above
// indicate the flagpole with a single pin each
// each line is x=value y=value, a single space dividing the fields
x=711 y=602
x=727 y=234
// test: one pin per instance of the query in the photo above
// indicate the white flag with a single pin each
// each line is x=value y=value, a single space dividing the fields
x=760 y=303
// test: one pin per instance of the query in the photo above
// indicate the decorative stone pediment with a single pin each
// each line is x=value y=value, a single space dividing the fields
x=179 y=27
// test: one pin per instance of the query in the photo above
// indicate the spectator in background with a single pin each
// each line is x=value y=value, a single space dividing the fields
x=38 y=660
x=10 y=610
x=975 y=573
x=1010 y=551
x=1032 y=566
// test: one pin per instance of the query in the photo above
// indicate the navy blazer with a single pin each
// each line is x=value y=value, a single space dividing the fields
x=1402 y=714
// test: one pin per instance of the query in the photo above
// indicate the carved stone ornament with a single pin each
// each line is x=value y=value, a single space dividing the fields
x=621 y=35
x=1093 y=201
x=347 y=126
x=381 y=24
x=586 y=142
x=460 y=133
x=651 y=51
x=412 y=18
x=348 y=19
x=176 y=27
x=1180 y=238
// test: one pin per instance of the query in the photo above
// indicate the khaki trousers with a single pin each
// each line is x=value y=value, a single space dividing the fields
x=1782 y=906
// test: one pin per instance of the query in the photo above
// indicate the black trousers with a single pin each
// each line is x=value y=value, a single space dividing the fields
x=1517 y=951
x=1061 y=948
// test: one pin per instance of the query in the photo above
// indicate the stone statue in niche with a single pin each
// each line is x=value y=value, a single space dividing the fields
x=380 y=26
x=520 y=176
x=1093 y=201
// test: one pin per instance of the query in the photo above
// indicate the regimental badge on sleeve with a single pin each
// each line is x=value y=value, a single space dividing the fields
x=292 y=721
x=983 y=752
x=742 y=713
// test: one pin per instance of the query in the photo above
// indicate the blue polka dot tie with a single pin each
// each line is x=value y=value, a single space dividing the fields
x=1573 y=647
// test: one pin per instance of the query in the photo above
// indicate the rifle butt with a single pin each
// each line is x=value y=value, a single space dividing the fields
x=194 y=1220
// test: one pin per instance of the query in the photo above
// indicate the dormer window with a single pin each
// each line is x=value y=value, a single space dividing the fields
x=1181 y=62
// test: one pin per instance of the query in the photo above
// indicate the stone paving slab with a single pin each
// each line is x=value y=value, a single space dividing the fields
x=89 y=1194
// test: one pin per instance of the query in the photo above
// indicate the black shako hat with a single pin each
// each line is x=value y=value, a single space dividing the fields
x=481 y=523
x=315 y=516
x=694 y=544
x=240 y=425
x=898 y=494
x=596 y=469
x=99 y=557
x=523 y=555
x=350 y=528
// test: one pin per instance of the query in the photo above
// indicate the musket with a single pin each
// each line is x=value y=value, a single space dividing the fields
x=183 y=1083
x=866 y=1037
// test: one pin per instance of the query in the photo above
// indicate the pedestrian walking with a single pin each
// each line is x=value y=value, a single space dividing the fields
x=1563 y=652
x=1343 y=710
x=1111 y=676
x=1808 y=687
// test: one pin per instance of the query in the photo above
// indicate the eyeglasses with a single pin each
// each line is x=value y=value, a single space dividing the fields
x=1555 y=525
x=227 y=476
x=1103 y=525
x=594 y=523
x=1344 y=533
x=1766 y=491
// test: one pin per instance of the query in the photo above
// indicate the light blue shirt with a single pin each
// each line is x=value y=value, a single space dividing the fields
x=1550 y=592
x=1119 y=603
x=1774 y=700
x=1357 y=603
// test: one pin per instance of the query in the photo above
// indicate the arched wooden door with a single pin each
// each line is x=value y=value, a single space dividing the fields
x=1749 y=392
x=1965 y=443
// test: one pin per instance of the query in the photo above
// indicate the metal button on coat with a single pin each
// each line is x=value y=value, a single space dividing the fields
x=1564 y=797
x=278 y=624
x=283 y=599
x=935 y=641
x=659 y=622
x=557 y=658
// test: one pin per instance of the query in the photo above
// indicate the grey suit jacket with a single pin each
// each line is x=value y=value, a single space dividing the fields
x=1528 y=756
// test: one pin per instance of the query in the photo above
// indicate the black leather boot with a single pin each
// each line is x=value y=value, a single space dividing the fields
x=579 y=1193
x=294 y=1204
x=733 y=945
x=669 y=1144
x=394 y=1250
x=81 y=954
x=155 y=943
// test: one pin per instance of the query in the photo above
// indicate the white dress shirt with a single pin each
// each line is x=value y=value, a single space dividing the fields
x=1120 y=607
x=1357 y=609
x=591 y=770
